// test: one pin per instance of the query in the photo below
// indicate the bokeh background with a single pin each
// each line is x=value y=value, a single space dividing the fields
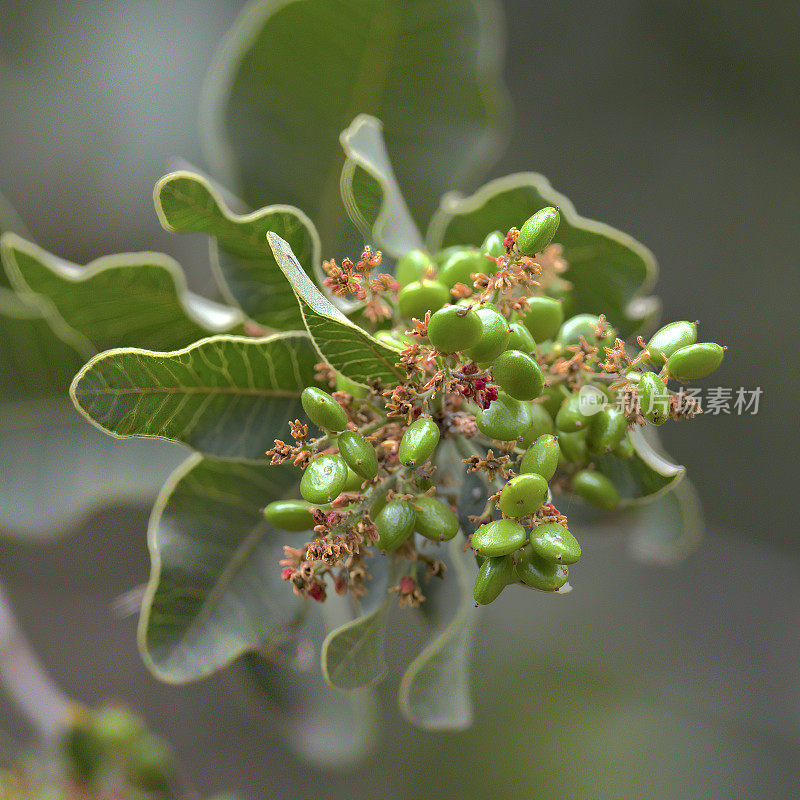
x=674 y=121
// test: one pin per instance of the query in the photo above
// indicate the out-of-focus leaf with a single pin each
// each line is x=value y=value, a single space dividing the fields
x=434 y=692
x=227 y=396
x=129 y=299
x=610 y=271
x=215 y=587
x=346 y=347
x=244 y=263
x=373 y=200
x=282 y=88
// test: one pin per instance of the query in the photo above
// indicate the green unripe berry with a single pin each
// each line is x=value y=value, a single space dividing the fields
x=149 y=763
x=625 y=448
x=553 y=397
x=454 y=328
x=519 y=338
x=573 y=447
x=324 y=479
x=117 y=727
x=418 y=442
x=289 y=515
x=434 y=519
x=323 y=410
x=571 y=417
x=421 y=296
x=506 y=419
x=460 y=266
x=518 y=375
x=538 y=231
x=494 y=335
x=539 y=573
x=499 y=538
x=542 y=457
x=411 y=266
x=544 y=318
x=354 y=481
x=695 y=361
x=584 y=325
x=540 y=423
x=493 y=576
x=493 y=246
x=665 y=341
x=607 y=428
x=523 y=495
x=595 y=488
x=553 y=542
x=394 y=524
x=653 y=398
x=358 y=454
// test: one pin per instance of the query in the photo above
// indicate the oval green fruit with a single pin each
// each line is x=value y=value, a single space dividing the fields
x=454 y=328
x=354 y=481
x=542 y=457
x=493 y=576
x=506 y=419
x=499 y=538
x=553 y=542
x=665 y=341
x=323 y=479
x=494 y=335
x=539 y=573
x=518 y=375
x=540 y=423
x=553 y=397
x=421 y=296
x=323 y=410
x=493 y=246
x=595 y=488
x=544 y=318
x=394 y=524
x=607 y=428
x=523 y=495
x=537 y=231
x=460 y=266
x=571 y=417
x=573 y=447
x=289 y=515
x=434 y=520
x=653 y=398
x=418 y=442
x=583 y=325
x=519 y=338
x=358 y=454
x=411 y=266
x=695 y=361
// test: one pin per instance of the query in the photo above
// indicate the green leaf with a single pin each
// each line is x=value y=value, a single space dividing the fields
x=283 y=85
x=370 y=192
x=609 y=270
x=227 y=396
x=244 y=263
x=130 y=299
x=215 y=587
x=57 y=470
x=346 y=347
x=434 y=692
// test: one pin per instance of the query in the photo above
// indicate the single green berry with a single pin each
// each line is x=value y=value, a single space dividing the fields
x=116 y=727
x=499 y=538
x=543 y=318
x=542 y=457
x=494 y=335
x=553 y=542
x=506 y=419
x=573 y=446
x=421 y=296
x=289 y=515
x=418 y=442
x=595 y=488
x=518 y=375
x=354 y=481
x=358 y=454
x=584 y=325
x=493 y=246
x=607 y=428
x=553 y=397
x=523 y=495
x=537 y=231
x=454 y=328
x=149 y=763
x=411 y=266
x=653 y=398
x=539 y=573
x=665 y=341
x=434 y=519
x=520 y=338
x=394 y=524
x=571 y=416
x=460 y=266
x=540 y=423
x=695 y=361
x=323 y=410
x=625 y=448
x=324 y=479
x=493 y=576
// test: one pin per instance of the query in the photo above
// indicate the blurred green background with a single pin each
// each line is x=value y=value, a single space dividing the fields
x=676 y=122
